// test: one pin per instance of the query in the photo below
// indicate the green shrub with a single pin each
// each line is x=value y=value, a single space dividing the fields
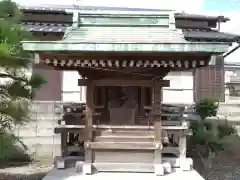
x=12 y=150
x=226 y=129
x=206 y=108
x=204 y=138
x=208 y=137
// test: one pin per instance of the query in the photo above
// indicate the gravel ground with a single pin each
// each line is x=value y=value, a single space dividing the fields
x=226 y=166
x=30 y=172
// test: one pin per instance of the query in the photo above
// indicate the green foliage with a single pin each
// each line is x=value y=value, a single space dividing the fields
x=207 y=108
x=209 y=137
x=12 y=150
x=225 y=129
x=9 y=11
x=16 y=88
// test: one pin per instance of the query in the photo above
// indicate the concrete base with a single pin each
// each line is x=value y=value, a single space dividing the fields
x=71 y=174
x=158 y=170
x=87 y=168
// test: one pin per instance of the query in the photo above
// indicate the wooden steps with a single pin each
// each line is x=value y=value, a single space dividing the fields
x=123 y=139
x=124 y=167
x=123 y=150
x=121 y=145
x=125 y=133
x=116 y=138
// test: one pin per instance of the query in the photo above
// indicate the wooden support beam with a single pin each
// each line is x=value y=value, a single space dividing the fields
x=125 y=82
x=64 y=147
x=87 y=167
x=79 y=128
x=156 y=115
x=82 y=82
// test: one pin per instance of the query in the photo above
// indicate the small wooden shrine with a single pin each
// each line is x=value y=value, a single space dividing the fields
x=123 y=58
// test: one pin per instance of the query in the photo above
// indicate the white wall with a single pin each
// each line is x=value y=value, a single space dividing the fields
x=71 y=92
x=181 y=88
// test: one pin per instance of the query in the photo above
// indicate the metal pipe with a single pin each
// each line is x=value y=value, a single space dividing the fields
x=230 y=52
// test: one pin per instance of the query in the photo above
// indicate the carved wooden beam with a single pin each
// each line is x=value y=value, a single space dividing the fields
x=82 y=82
x=125 y=82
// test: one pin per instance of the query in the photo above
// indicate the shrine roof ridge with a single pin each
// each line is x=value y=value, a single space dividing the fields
x=122 y=14
x=187 y=16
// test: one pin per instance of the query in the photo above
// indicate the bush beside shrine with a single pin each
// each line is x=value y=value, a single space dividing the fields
x=17 y=88
x=209 y=137
x=12 y=151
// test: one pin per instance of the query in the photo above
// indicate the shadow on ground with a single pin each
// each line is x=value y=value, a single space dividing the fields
x=33 y=176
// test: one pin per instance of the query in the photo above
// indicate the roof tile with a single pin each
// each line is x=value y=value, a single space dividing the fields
x=44 y=27
x=209 y=35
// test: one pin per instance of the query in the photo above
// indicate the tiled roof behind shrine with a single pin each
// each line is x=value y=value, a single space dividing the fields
x=208 y=81
x=127 y=30
x=203 y=28
x=46 y=19
x=57 y=18
x=55 y=15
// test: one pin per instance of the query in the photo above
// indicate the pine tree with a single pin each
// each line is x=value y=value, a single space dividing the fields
x=16 y=88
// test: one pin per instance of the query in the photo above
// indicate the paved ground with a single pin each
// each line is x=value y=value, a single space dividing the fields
x=29 y=172
x=70 y=174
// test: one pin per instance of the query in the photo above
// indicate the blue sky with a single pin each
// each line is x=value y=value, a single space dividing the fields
x=221 y=5
x=231 y=9
x=192 y=5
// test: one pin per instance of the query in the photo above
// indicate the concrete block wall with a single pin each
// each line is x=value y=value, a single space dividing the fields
x=230 y=109
x=39 y=135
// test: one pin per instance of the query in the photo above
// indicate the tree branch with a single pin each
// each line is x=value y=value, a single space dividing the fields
x=4 y=75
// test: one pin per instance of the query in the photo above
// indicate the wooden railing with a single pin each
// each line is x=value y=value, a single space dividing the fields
x=72 y=125
x=74 y=114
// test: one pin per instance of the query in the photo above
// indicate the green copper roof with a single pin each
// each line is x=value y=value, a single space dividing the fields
x=131 y=47
x=124 y=35
x=124 y=32
x=123 y=20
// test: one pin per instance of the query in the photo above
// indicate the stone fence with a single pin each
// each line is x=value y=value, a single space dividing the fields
x=39 y=135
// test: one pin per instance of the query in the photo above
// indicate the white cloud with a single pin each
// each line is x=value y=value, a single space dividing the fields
x=233 y=26
x=157 y=4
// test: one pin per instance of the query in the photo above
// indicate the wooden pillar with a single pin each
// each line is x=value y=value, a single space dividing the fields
x=142 y=91
x=64 y=145
x=105 y=104
x=156 y=115
x=87 y=166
